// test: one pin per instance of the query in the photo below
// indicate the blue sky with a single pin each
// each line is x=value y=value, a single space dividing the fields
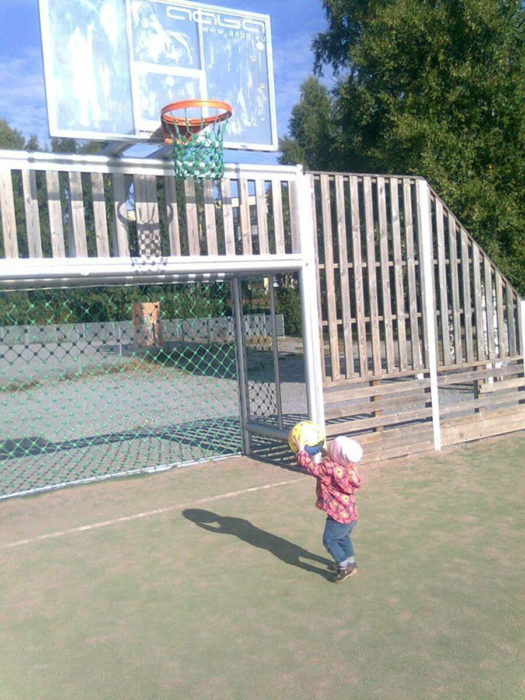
x=22 y=103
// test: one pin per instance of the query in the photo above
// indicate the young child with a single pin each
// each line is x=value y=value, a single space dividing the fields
x=337 y=481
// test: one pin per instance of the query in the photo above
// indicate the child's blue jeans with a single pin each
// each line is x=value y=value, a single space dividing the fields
x=336 y=540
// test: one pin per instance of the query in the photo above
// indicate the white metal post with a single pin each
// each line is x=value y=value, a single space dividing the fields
x=427 y=255
x=313 y=356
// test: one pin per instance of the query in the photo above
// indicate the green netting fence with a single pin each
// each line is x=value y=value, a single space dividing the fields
x=112 y=381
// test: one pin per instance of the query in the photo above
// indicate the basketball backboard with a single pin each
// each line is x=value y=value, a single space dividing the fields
x=111 y=65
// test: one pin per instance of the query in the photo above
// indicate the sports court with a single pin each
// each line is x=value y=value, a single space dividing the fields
x=211 y=582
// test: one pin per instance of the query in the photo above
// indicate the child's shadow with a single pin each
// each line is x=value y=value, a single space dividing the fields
x=243 y=529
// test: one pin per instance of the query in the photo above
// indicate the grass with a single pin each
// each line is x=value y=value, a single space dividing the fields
x=222 y=592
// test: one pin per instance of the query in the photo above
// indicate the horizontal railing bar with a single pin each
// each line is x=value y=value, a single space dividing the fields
x=92 y=271
x=16 y=160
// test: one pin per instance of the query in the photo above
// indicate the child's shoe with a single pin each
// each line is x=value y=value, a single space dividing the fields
x=345 y=572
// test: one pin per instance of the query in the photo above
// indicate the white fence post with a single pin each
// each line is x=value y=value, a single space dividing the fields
x=313 y=356
x=427 y=255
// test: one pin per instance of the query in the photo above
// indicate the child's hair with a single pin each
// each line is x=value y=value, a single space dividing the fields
x=345 y=451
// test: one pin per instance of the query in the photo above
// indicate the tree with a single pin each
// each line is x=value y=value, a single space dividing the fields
x=311 y=129
x=436 y=88
x=13 y=140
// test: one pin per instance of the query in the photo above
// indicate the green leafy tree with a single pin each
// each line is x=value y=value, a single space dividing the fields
x=436 y=88
x=311 y=129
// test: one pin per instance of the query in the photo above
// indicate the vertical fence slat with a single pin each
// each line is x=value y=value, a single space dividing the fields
x=244 y=216
x=329 y=276
x=120 y=213
x=192 y=221
x=316 y=243
x=54 y=206
x=227 y=217
x=99 y=215
x=385 y=275
x=262 y=216
x=478 y=310
x=358 y=276
x=500 y=314
x=346 y=310
x=172 y=215
x=295 y=233
x=511 y=320
x=34 y=237
x=442 y=277
x=209 y=218
x=489 y=308
x=277 y=203
x=77 y=241
x=372 y=275
x=467 y=300
x=7 y=206
x=411 y=274
x=398 y=274
x=454 y=279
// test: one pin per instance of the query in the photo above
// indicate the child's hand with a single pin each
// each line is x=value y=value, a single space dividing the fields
x=298 y=444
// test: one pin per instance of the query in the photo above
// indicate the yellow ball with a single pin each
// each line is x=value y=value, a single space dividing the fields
x=310 y=434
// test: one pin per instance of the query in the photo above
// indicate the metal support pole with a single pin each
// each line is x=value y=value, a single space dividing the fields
x=313 y=356
x=240 y=350
x=425 y=232
x=275 y=352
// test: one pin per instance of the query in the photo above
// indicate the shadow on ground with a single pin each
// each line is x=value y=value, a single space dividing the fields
x=244 y=530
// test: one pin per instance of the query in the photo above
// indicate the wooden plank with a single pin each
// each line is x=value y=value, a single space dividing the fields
x=481 y=372
x=489 y=308
x=478 y=426
x=372 y=276
x=99 y=215
x=358 y=276
x=34 y=237
x=344 y=284
x=172 y=215
x=209 y=217
x=77 y=239
x=317 y=239
x=443 y=284
x=454 y=277
x=278 y=221
x=373 y=406
x=147 y=216
x=467 y=300
x=500 y=316
x=7 y=207
x=379 y=422
x=54 y=206
x=329 y=277
x=505 y=385
x=398 y=274
x=383 y=389
x=262 y=216
x=478 y=309
x=244 y=216
x=294 y=219
x=484 y=404
x=417 y=360
x=227 y=217
x=120 y=189
x=385 y=275
x=511 y=319
x=192 y=219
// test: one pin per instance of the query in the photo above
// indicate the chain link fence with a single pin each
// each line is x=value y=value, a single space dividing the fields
x=114 y=381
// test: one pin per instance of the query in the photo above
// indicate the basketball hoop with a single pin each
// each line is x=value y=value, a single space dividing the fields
x=195 y=130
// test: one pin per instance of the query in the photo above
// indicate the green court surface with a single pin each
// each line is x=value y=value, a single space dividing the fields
x=211 y=582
